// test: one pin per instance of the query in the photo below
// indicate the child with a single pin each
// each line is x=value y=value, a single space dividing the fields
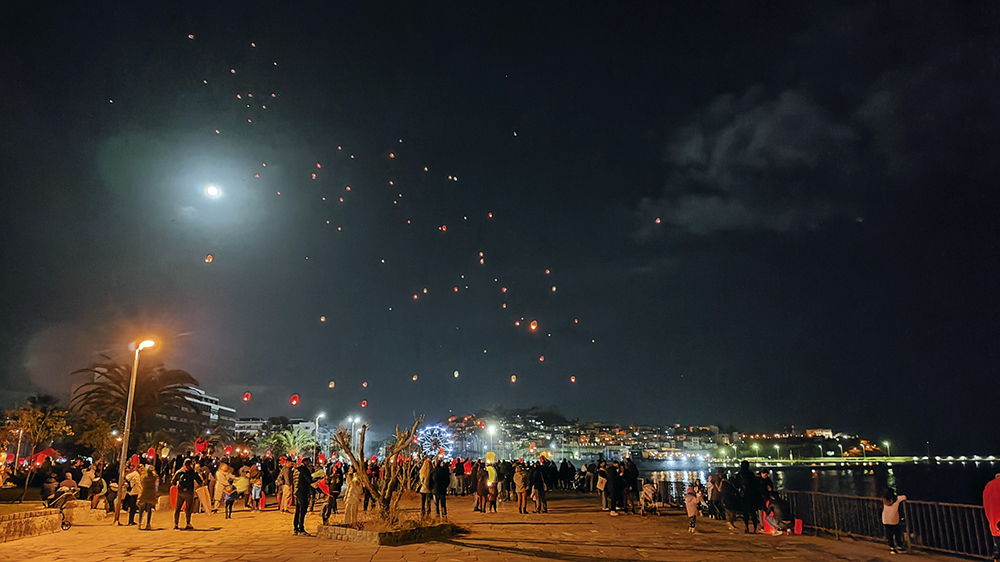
x=229 y=494
x=890 y=519
x=691 y=503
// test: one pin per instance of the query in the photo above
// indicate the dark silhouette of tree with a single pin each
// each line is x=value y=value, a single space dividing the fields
x=157 y=390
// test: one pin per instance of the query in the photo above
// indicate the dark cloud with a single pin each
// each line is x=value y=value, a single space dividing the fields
x=755 y=162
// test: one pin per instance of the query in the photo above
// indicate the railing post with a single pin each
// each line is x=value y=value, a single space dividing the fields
x=836 y=523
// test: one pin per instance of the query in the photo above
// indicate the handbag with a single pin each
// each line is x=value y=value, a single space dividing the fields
x=601 y=483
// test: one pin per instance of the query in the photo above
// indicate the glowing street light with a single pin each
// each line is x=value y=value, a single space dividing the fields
x=777 y=451
x=887 y=450
x=316 y=448
x=128 y=426
x=756 y=448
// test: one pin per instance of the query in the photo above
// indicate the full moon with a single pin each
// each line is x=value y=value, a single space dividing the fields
x=212 y=191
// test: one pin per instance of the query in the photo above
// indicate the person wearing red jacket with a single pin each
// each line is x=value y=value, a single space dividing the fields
x=991 y=503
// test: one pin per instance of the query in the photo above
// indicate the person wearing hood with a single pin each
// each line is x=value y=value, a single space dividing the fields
x=692 y=499
x=426 y=492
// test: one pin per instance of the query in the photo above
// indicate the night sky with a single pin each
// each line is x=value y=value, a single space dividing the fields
x=825 y=179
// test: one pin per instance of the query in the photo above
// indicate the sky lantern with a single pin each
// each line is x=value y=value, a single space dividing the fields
x=294 y=400
x=364 y=384
x=332 y=384
x=190 y=36
x=541 y=358
x=455 y=374
x=489 y=215
x=150 y=453
x=414 y=377
x=246 y=396
x=364 y=403
x=256 y=176
x=548 y=271
x=533 y=326
x=658 y=221
x=576 y=320
x=572 y=379
x=553 y=288
x=314 y=175
x=322 y=318
x=392 y=155
x=209 y=258
x=513 y=378
x=318 y=165
x=443 y=228
x=503 y=289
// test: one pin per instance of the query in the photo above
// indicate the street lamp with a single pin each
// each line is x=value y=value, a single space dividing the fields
x=887 y=450
x=128 y=427
x=841 y=448
x=316 y=448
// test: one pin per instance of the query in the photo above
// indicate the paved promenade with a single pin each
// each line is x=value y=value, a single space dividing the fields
x=574 y=530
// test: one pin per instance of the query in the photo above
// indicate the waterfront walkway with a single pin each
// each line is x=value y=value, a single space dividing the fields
x=574 y=530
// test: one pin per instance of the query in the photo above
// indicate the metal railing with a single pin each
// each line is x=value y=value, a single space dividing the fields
x=941 y=527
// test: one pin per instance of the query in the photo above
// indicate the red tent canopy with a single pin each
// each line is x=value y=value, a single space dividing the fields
x=48 y=452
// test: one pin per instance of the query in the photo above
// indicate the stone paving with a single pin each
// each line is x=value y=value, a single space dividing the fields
x=574 y=530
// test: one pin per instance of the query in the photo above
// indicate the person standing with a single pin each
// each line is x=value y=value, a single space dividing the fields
x=440 y=479
x=536 y=478
x=223 y=479
x=284 y=483
x=147 y=497
x=890 y=519
x=991 y=503
x=133 y=486
x=691 y=502
x=521 y=488
x=426 y=492
x=185 y=479
x=304 y=481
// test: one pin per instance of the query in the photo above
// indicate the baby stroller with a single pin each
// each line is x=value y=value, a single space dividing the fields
x=58 y=501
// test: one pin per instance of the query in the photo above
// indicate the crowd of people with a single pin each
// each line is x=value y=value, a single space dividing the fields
x=209 y=484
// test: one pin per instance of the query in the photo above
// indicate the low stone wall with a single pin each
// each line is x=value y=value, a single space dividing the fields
x=25 y=524
x=420 y=534
x=78 y=511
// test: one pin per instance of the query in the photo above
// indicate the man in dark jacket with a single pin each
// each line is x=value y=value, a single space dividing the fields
x=185 y=479
x=536 y=482
x=303 y=489
x=440 y=480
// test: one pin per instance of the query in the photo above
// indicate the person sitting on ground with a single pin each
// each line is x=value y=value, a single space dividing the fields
x=778 y=515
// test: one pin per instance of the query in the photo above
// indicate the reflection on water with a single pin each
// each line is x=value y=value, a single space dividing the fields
x=945 y=482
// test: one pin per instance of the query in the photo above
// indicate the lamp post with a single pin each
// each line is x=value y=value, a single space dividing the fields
x=316 y=448
x=128 y=427
x=887 y=450
x=841 y=449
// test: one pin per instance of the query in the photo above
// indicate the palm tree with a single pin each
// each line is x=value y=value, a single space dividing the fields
x=156 y=389
x=296 y=441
